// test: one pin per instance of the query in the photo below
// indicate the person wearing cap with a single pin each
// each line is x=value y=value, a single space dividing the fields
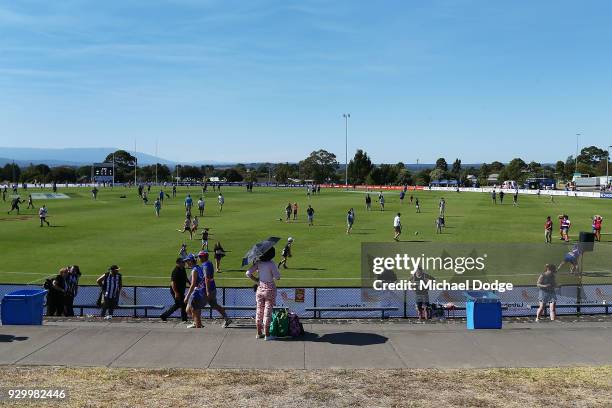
x=210 y=287
x=286 y=253
x=111 y=285
x=195 y=294
x=178 y=284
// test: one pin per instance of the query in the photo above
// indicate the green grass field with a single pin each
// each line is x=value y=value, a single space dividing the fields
x=123 y=231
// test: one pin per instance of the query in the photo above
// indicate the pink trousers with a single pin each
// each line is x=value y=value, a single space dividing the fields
x=266 y=299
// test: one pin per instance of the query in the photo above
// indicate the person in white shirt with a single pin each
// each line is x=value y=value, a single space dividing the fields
x=397 y=226
x=265 y=295
x=42 y=214
x=221 y=200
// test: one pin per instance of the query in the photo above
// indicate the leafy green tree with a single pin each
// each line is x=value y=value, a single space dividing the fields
x=404 y=177
x=441 y=164
x=63 y=174
x=422 y=177
x=319 y=166
x=124 y=165
x=11 y=172
x=359 y=167
x=456 y=169
x=436 y=174
x=282 y=172
x=592 y=155
x=514 y=171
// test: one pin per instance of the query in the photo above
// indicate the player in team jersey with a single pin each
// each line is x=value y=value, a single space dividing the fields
x=572 y=258
x=597 y=220
x=350 y=219
x=205 y=235
x=42 y=214
x=548 y=227
x=157 y=206
x=286 y=253
x=30 y=202
x=187 y=227
x=310 y=214
x=15 y=205
x=220 y=200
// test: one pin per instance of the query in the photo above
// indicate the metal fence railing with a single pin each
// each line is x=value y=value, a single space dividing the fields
x=592 y=299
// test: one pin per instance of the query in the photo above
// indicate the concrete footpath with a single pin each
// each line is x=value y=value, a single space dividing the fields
x=397 y=344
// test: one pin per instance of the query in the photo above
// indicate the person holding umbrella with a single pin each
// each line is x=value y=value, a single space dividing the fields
x=264 y=273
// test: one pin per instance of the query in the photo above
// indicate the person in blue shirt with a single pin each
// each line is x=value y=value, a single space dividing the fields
x=210 y=288
x=157 y=206
x=350 y=219
x=188 y=203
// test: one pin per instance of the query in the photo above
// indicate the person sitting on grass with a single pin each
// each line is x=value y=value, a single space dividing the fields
x=546 y=291
x=265 y=294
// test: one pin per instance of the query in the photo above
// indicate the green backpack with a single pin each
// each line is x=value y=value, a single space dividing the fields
x=279 y=326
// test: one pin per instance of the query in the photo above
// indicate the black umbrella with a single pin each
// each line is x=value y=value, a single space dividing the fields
x=258 y=250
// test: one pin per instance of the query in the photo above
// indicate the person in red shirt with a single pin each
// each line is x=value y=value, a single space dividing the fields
x=597 y=220
x=548 y=227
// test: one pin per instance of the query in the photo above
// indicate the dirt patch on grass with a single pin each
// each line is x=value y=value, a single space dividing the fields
x=17 y=218
x=528 y=387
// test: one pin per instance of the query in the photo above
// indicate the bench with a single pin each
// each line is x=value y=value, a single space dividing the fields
x=317 y=310
x=146 y=308
x=252 y=308
x=575 y=305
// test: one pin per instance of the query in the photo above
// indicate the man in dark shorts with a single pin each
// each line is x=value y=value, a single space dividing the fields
x=30 y=202
x=42 y=214
x=178 y=284
x=286 y=253
x=211 y=288
x=421 y=292
x=15 y=205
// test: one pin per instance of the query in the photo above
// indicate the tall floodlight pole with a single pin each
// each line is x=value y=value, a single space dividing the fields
x=156 y=140
x=607 y=163
x=576 y=165
x=113 y=169
x=135 y=163
x=346 y=118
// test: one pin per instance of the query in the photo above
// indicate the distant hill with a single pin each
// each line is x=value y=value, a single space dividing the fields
x=23 y=156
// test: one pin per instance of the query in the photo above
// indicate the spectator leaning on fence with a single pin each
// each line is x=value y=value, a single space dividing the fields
x=56 y=294
x=72 y=287
x=111 y=285
x=265 y=295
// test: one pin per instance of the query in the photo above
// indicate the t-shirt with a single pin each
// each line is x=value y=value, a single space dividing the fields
x=286 y=250
x=179 y=277
x=200 y=203
x=310 y=211
x=267 y=271
x=42 y=213
x=188 y=201
x=350 y=218
x=209 y=273
x=396 y=221
x=548 y=225
x=204 y=235
x=200 y=289
x=547 y=278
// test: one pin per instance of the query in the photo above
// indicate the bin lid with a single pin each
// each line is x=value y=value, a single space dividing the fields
x=481 y=296
x=26 y=293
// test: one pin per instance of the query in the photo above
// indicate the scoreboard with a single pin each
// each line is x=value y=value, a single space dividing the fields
x=103 y=172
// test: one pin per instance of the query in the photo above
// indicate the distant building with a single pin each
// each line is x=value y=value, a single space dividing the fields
x=493 y=178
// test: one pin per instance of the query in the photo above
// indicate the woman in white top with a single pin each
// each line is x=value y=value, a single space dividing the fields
x=267 y=273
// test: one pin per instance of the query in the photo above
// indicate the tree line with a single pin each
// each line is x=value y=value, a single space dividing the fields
x=320 y=166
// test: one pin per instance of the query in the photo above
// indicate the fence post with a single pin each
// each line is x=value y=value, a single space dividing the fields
x=405 y=304
x=135 y=302
x=314 y=312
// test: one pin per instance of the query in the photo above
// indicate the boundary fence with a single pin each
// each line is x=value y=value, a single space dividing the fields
x=518 y=302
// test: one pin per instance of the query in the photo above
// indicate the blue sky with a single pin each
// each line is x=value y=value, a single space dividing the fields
x=269 y=80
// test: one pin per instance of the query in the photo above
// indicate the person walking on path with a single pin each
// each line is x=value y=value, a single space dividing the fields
x=264 y=273
x=178 y=284
x=546 y=288
x=195 y=293
x=211 y=288
x=72 y=289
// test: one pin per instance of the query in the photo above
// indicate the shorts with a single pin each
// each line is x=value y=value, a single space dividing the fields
x=569 y=258
x=397 y=229
x=200 y=301
x=547 y=296
x=565 y=230
x=310 y=218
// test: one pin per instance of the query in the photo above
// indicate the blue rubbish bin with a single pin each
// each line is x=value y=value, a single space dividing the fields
x=23 y=307
x=483 y=310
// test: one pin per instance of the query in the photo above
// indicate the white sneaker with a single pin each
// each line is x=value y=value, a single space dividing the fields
x=192 y=326
x=108 y=317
